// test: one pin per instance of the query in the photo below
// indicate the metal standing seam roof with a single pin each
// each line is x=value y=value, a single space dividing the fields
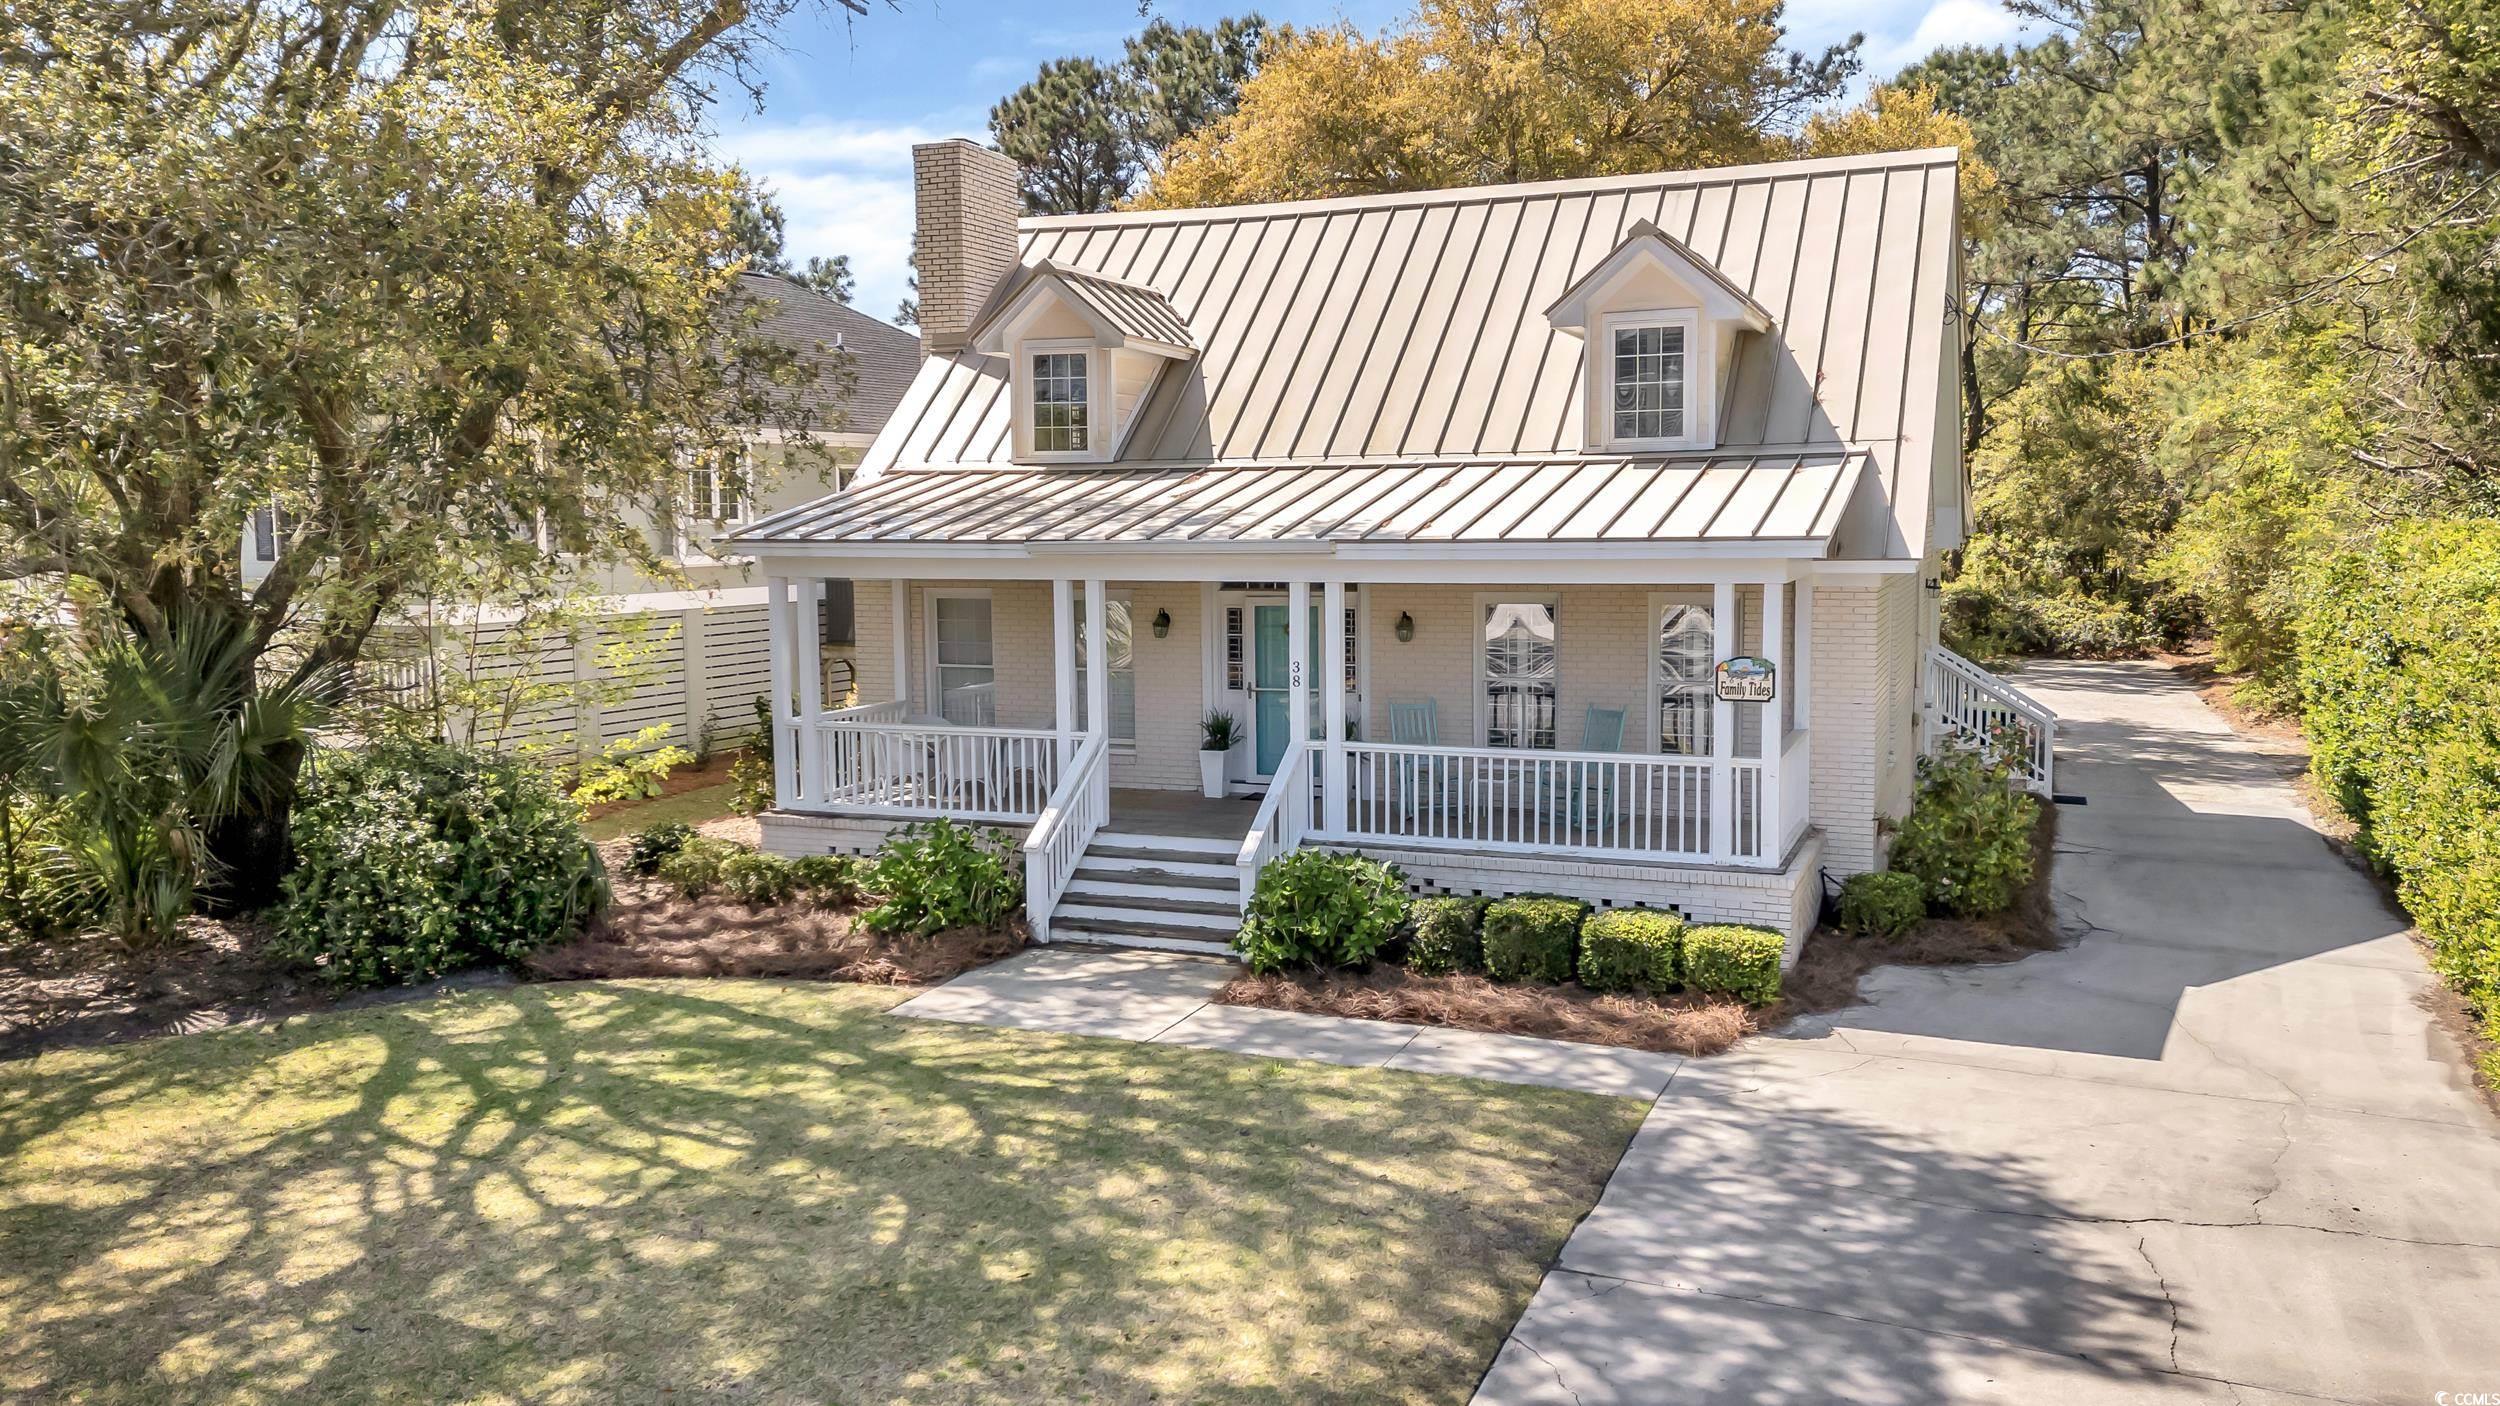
x=1132 y=309
x=1388 y=332
x=1798 y=496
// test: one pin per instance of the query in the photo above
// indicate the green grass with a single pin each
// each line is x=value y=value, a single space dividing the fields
x=766 y=1193
x=693 y=807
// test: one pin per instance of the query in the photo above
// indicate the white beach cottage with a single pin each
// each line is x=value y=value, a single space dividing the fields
x=1573 y=537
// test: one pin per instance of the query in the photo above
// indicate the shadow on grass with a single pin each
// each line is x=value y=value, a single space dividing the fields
x=604 y=1192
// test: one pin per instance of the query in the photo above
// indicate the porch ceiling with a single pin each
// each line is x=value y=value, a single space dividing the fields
x=1797 y=498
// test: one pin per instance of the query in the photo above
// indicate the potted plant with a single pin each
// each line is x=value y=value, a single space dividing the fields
x=1218 y=734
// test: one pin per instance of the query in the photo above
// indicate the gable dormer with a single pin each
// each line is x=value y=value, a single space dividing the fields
x=1084 y=352
x=1661 y=326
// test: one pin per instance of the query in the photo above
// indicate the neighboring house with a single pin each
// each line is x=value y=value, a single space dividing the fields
x=699 y=641
x=1460 y=501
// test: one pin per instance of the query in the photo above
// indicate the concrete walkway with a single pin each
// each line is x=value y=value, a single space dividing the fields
x=1164 y=998
x=2215 y=1151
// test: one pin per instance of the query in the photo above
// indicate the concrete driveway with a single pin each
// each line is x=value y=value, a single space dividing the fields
x=2214 y=1151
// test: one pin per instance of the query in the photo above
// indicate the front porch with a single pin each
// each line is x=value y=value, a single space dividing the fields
x=1492 y=738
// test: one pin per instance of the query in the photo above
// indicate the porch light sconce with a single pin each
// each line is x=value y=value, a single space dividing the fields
x=1163 y=623
x=1406 y=628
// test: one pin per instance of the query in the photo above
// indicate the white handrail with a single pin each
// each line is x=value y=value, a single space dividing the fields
x=1976 y=705
x=1283 y=819
x=1077 y=811
x=970 y=773
x=1620 y=805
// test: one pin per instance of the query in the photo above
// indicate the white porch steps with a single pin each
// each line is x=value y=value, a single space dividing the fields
x=1175 y=893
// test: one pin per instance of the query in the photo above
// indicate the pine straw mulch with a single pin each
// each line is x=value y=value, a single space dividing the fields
x=71 y=992
x=652 y=932
x=1828 y=971
x=1688 y=1024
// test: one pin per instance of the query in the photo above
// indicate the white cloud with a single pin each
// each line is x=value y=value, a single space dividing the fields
x=1946 y=22
x=844 y=188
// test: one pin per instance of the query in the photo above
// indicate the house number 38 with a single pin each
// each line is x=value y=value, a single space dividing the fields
x=1297 y=673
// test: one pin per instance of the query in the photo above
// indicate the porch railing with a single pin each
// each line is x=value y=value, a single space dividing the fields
x=1597 y=803
x=1078 y=809
x=1283 y=819
x=1974 y=705
x=969 y=773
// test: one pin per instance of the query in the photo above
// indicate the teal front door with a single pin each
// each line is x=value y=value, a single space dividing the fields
x=1271 y=682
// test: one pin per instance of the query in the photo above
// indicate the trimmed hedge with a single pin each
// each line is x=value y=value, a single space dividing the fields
x=1449 y=936
x=1631 y=949
x=1531 y=938
x=1742 y=962
x=2401 y=703
x=1884 y=903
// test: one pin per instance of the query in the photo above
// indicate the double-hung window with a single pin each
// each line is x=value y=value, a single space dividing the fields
x=1648 y=360
x=1521 y=674
x=1686 y=686
x=716 y=488
x=967 y=674
x=1060 y=409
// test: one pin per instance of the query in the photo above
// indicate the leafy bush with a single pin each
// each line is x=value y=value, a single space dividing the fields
x=417 y=858
x=831 y=879
x=1967 y=838
x=1985 y=621
x=630 y=768
x=1530 y=938
x=1449 y=937
x=1631 y=949
x=2402 y=708
x=1313 y=908
x=757 y=879
x=1730 y=960
x=752 y=771
x=655 y=843
x=939 y=875
x=43 y=892
x=695 y=869
x=1885 y=903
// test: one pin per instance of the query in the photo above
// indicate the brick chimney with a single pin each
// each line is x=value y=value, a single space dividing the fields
x=967 y=200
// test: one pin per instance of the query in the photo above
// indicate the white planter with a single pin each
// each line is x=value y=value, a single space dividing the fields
x=1211 y=773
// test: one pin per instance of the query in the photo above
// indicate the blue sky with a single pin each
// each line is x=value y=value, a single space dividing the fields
x=844 y=103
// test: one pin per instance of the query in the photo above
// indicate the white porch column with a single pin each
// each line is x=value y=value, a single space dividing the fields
x=900 y=591
x=1097 y=678
x=1063 y=665
x=1332 y=694
x=1298 y=650
x=807 y=656
x=777 y=642
x=1722 y=728
x=1774 y=737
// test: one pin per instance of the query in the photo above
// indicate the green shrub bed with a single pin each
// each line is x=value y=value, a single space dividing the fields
x=2401 y=701
x=939 y=875
x=1531 y=938
x=1886 y=903
x=1732 y=960
x=1449 y=937
x=1316 y=909
x=1631 y=949
x=417 y=859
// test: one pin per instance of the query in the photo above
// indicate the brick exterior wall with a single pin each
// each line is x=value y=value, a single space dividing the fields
x=965 y=200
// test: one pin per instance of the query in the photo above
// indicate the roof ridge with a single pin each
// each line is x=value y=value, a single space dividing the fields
x=1794 y=168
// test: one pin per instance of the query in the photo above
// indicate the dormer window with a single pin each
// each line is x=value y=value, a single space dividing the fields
x=1646 y=383
x=1662 y=328
x=1087 y=352
x=1059 y=404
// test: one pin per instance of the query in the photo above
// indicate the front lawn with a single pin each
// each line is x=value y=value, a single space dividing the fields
x=762 y=1192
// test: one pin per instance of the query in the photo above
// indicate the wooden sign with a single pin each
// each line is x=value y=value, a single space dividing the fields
x=1748 y=679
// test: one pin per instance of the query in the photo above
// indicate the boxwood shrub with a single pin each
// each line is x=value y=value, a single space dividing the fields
x=653 y=844
x=1449 y=937
x=757 y=879
x=1631 y=949
x=1316 y=909
x=831 y=880
x=1883 y=903
x=1531 y=938
x=698 y=865
x=416 y=858
x=1731 y=960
